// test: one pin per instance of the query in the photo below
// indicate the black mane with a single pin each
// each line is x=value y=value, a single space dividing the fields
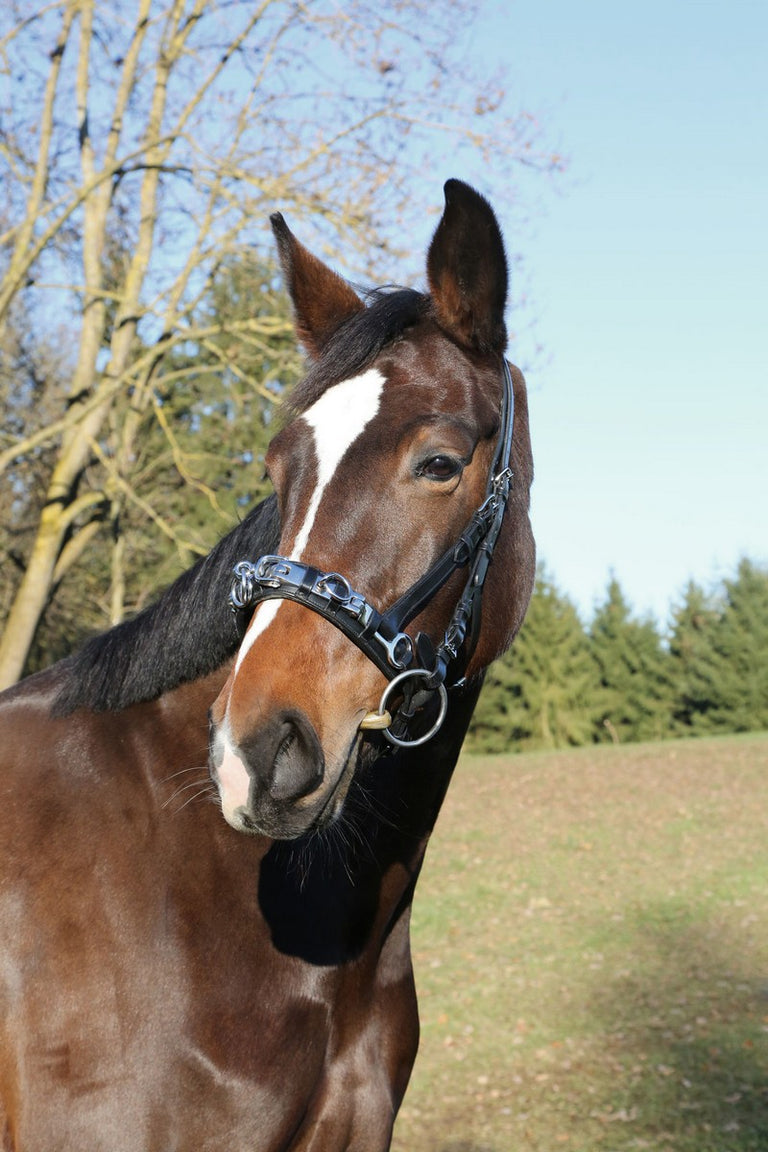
x=187 y=633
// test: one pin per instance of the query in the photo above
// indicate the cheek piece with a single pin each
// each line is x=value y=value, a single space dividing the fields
x=419 y=672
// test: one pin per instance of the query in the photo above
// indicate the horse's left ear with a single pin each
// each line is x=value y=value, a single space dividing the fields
x=322 y=300
x=467 y=271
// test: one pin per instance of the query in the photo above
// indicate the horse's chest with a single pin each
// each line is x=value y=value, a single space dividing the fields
x=161 y=1047
x=144 y=1007
x=307 y=1061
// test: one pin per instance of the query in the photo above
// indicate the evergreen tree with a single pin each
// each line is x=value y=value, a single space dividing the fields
x=739 y=654
x=693 y=663
x=634 y=673
x=541 y=694
x=215 y=402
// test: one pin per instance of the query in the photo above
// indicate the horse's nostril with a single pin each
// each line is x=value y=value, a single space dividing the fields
x=285 y=745
x=297 y=766
x=287 y=756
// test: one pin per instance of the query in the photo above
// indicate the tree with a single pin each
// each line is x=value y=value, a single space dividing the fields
x=137 y=153
x=726 y=670
x=34 y=370
x=635 y=688
x=693 y=667
x=741 y=642
x=198 y=451
x=541 y=694
x=198 y=461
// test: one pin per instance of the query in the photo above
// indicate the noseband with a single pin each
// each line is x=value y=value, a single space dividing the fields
x=411 y=664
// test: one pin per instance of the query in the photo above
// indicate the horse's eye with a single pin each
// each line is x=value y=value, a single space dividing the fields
x=440 y=467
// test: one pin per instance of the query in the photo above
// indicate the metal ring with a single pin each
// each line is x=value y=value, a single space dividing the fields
x=241 y=589
x=422 y=672
x=335 y=586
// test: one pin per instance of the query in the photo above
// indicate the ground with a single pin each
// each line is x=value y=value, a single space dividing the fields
x=591 y=950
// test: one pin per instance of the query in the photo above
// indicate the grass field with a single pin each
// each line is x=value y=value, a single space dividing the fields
x=591 y=946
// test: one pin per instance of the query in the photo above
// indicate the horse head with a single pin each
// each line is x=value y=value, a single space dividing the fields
x=378 y=471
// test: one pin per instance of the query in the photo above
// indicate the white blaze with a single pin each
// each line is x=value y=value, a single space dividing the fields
x=336 y=420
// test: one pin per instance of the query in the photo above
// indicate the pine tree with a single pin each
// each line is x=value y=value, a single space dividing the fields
x=693 y=662
x=740 y=650
x=541 y=694
x=719 y=650
x=634 y=673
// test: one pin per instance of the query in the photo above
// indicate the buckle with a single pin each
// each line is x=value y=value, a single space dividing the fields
x=335 y=587
x=501 y=483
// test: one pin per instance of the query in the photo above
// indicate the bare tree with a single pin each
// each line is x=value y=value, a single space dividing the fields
x=142 y=145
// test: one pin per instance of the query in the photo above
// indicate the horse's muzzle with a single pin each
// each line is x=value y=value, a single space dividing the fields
x=270 y=783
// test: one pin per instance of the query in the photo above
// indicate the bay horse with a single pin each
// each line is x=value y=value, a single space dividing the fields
x=236 y=974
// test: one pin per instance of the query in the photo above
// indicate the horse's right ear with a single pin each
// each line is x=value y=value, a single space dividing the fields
x=322 y=300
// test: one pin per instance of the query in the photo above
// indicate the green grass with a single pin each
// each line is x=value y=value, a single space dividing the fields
x=591 y=947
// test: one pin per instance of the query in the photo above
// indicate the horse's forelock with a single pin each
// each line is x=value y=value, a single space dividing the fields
x=359 y=340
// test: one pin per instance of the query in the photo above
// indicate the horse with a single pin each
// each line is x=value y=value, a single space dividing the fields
x=213 y=816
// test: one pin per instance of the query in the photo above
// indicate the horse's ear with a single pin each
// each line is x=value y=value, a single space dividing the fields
x=467 y=271
x=322 y=301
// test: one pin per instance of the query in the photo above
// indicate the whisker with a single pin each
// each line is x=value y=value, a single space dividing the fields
x=190 y=784
x=203 y=792
x=182 y=771
x=200 y=781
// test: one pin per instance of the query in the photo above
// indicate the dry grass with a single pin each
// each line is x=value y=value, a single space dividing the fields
x=591 y=948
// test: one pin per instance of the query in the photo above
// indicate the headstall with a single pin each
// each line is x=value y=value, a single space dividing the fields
x=412 y=665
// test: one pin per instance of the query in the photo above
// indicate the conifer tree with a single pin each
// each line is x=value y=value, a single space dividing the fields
x=634 y=674
x=541 y=694
x=693 y=662
x=739 y=654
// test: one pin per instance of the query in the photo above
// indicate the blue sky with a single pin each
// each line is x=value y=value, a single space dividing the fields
x=647 y=272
